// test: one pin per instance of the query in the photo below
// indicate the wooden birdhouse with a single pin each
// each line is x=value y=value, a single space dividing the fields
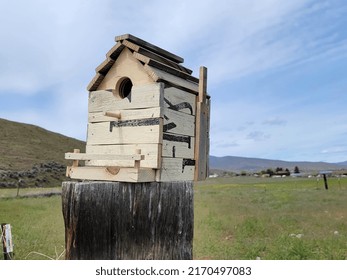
x=148 y=118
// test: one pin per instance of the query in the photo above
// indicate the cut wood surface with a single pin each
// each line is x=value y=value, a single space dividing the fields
x=151 y=152
x=129 y=114
x=127 y=221
x=112 y=174
x=143 y=131
x=145 y=96
x=88 y=156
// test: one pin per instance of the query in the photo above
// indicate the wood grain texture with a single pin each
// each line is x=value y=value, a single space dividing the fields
x=176 y=169
x=164 y=67
x=150 y=47
x=104 y=133
x=155 y=56
x=178 y=122
x=180 y=100
x=127 y=221
x=126 y=114
x=106 y=174
x=151 y=152
x=125 y=66
x=161 y=76
x=178 y=149
x=144 y=96
x=202 y=141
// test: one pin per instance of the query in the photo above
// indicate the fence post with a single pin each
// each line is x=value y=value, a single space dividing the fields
x=120 y=220
x=6 y=238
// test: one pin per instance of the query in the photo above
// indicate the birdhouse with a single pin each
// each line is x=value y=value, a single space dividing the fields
x=148 y=118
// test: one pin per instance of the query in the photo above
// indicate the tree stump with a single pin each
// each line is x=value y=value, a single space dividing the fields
x=128 y=221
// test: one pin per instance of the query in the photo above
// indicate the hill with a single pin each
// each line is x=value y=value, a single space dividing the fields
x=32 y=156
x=24 y=145
x=237 y=164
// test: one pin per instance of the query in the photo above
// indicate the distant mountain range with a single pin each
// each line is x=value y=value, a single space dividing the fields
x=238 y=164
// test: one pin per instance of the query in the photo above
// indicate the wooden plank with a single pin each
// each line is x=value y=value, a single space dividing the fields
x=177 y=146
x=150 y=47
x=165 y=67
x=105 y=66
x=108 y=174
x=161 y=76
x=89 y=156
x=152 y=153
x=115 y=51
x=95 y=82
x=202 y=84
x=176 y=169
x=126 y=115
x=144 y=96
x=138 y=131
x=155 y=56
x=180 y=100
x=202 y=141
x=178 y=122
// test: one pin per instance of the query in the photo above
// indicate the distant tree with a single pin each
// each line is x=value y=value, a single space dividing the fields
x=279 y=169
x=270 y=171
x=296 y=170
x=287 y=172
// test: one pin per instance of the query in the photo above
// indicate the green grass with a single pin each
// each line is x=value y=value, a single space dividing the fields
x=235 y=218
x=37 y=226
x=251 y=218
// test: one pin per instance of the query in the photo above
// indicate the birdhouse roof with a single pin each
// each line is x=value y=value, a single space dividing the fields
x=159 y=64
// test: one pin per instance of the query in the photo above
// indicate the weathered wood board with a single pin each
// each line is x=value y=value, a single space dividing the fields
x=160 y=76
x=145 y=131
x=179 y=100
x=148 y=113
x=112 y=174
x=146 y=96
x=151 y=47
x=125 y=66
x=126 y=221
x=178 y=123
x=176 y=169
x=151 y=152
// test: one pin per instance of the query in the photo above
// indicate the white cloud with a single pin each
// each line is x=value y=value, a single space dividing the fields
x=54 y=47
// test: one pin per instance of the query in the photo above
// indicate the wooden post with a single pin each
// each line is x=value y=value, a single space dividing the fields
x=6 y=238
x=325 y=181
x=120 y=220
x=202 y=129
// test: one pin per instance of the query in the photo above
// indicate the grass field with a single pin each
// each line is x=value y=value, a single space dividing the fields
x=235 y=218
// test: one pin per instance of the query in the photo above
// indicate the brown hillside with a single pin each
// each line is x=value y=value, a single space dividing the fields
x=22 y=146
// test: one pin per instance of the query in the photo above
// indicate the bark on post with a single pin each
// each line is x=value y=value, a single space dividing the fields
x=118 y=220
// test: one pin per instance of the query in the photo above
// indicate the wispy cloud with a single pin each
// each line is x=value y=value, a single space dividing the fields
x=275 y=121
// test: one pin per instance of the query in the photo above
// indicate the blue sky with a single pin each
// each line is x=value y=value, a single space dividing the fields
x=276 y=69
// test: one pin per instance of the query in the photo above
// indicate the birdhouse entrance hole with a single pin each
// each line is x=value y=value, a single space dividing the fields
x=124 y=87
